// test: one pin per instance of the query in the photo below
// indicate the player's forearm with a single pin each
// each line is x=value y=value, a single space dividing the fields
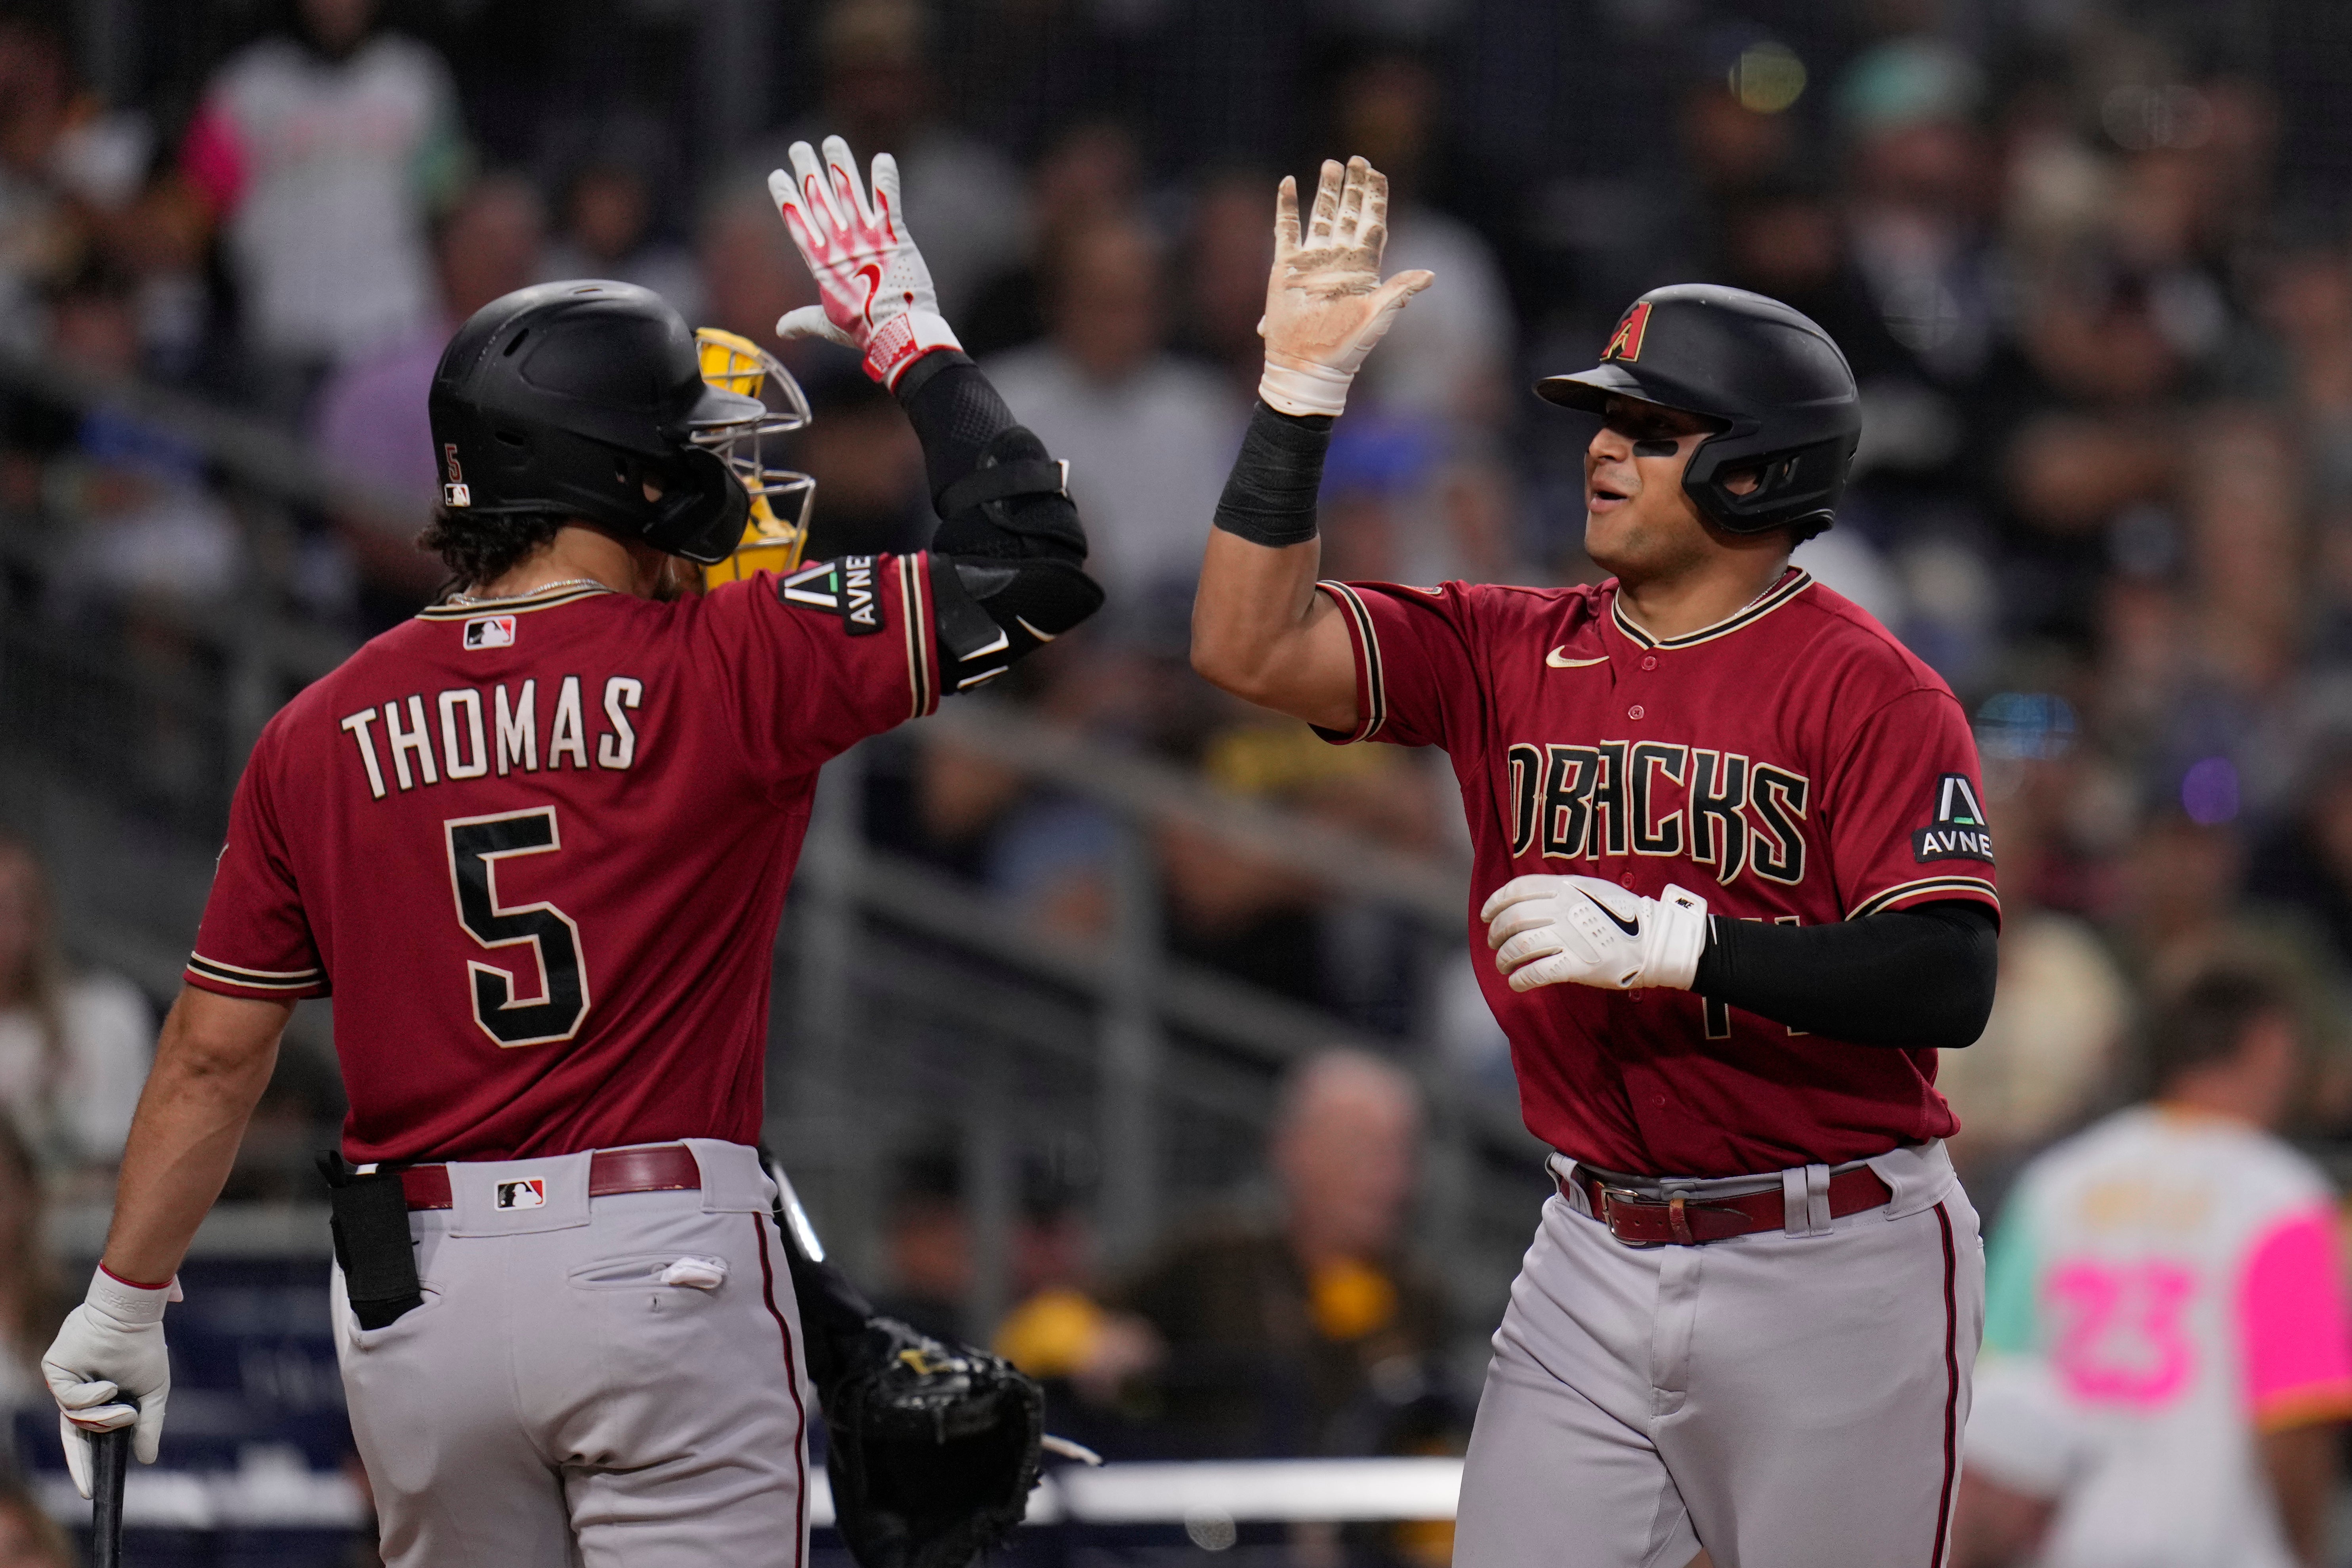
x=1910 y=978
x=212 y=1062
x=2301 y=1463
x=1007 y=563
x=1259 y=629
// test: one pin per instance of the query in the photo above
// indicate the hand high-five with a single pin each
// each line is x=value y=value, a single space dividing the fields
x=877 y=293
x=1325 y=303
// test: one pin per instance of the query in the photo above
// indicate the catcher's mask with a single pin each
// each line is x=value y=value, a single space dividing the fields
x=1777 y=385
x=777 y=531
x=577 y=398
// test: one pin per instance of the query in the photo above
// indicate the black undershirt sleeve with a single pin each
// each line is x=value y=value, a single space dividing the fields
x=1909 y=978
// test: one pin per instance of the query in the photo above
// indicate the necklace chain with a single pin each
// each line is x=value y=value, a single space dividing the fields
x=528 y=593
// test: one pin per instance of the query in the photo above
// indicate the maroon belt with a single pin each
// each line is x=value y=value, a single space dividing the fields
x=661 y=1168
x=1679 y=1219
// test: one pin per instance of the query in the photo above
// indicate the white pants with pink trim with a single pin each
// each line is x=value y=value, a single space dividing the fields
x=554 y=1403
x=1791 y=1398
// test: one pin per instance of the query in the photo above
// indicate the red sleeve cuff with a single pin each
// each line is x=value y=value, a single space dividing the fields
x=1929 y=890
x=255 y=984
x=1371 y=686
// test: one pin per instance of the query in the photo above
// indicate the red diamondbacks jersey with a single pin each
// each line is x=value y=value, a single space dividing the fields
x=1793 y=762
x=537 y=850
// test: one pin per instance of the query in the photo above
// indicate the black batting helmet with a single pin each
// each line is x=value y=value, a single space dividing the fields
x=567 y=397
x=1774 y=380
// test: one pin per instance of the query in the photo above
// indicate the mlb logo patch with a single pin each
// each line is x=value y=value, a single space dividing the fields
x=525 y=1194
x=489 y=631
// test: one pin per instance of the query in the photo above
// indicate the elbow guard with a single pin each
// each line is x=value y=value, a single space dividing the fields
x=1014 y=505
x=989 y=611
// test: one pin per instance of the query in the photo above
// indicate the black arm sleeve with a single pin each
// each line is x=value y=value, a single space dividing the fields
x=1909 y=978
x=1005 y=564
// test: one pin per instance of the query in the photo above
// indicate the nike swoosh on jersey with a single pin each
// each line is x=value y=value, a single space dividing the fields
x=1554 y=660
x=1630 y=928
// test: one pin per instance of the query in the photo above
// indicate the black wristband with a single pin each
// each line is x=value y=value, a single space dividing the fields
x=1269 y=498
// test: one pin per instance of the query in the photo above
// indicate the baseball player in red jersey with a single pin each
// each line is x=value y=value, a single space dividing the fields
x=1732 y=887
x=535 y=844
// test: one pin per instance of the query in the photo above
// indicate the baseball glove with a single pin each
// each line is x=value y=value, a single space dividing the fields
x=931 y=1449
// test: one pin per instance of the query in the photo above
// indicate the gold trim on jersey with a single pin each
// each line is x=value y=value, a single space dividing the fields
x=254 y=979
x=1877 y=903
x=1772 y=599
x=1368 y=670
x=521 y=605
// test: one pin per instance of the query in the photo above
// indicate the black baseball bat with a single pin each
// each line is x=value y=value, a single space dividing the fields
x=109 y=1464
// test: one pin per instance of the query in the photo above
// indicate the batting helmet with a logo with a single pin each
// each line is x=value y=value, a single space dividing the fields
x=1775 y=382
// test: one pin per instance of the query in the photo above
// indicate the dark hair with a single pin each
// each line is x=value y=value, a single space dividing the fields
x=2206 y=1021
x=480 y=549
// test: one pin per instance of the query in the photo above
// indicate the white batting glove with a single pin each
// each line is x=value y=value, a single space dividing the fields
x=1325 y=303
x=109 y=1368
x=1549 y=929
x=877 y=294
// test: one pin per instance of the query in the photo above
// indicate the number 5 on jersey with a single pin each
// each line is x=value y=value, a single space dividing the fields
x=477 y=844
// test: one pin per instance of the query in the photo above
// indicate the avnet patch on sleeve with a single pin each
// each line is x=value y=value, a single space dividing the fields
x=846 y=588
x=1959 y=831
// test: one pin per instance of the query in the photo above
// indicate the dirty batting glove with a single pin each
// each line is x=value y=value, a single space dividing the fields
x=1325 y=303
x=876 y=291
x=1549 y=930
x=107 y=1369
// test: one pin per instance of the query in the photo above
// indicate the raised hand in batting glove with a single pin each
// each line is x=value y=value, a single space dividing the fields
x=107 y=1369
x=877 y=294
x=1325 y=303
x=1549 y=929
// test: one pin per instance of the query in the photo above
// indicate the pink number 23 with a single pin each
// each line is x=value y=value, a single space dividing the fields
x=2120 y=1339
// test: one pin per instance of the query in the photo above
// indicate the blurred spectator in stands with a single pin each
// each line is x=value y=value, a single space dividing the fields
x=322 y=151
x=1147 y=437
x=752 y=276
x=879 y=96
x=371 y=425
x=2177 y=893
x=28 y=1537
x=927 y=1241
x=2051 y=1052
x=1303 y=1331
x=1058 y=1330
x=607 y=231
x=74 y=1048
x=872 y=494
x=144 y=528
x=2306 y=863
x=1449 y=367
x=1090 y=175
x=1398 y=506
x=1921 y=181
x=64 y=164
x=1228 y=248
x=2167 y=1358
x=31 y=1294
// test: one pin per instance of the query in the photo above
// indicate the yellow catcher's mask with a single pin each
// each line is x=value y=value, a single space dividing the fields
x=778 y=527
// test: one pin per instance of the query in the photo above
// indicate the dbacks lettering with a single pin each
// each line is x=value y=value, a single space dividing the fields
x=1718 y=809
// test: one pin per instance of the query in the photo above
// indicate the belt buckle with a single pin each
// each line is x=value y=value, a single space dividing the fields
x=1612 y=1196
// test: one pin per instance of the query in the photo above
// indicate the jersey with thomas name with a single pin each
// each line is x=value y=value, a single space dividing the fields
x=1792 y=762
x=537 y=849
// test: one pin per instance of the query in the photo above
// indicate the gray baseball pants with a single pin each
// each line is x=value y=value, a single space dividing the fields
x=554 y=1404
x=1786 y=1399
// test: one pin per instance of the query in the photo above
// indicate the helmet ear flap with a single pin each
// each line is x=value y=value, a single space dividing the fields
x=702 y=510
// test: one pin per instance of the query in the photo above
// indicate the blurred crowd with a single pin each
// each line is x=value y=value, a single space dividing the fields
x=2092 y=263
